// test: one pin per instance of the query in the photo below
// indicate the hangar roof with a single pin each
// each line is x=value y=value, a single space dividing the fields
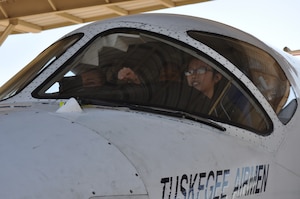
x=24 y=16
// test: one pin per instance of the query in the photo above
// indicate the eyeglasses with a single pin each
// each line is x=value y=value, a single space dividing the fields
x=199 y=71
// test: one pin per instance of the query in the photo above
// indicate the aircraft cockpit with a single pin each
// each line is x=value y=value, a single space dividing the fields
x=129 y=67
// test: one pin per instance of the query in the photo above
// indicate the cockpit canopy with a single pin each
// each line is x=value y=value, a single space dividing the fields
x=134 y=67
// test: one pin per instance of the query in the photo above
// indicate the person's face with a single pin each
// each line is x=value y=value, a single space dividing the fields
x=201 y=77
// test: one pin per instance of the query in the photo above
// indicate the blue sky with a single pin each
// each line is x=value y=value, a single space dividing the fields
x=275 y=22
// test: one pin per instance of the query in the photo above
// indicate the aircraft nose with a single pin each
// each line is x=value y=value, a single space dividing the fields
x=57 y=158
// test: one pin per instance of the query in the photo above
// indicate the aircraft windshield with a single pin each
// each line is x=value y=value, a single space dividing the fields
x=262 y=69
x=142 y=69
x=27 y=74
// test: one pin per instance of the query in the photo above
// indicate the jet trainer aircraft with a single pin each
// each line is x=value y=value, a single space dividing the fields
x=152 y=106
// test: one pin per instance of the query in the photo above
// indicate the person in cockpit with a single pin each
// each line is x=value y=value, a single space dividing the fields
x=195 y=94
x=202 y=77
x=204 y=83
x=221 y=99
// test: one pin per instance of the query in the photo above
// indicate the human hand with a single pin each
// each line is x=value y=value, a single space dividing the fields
x=128 y=75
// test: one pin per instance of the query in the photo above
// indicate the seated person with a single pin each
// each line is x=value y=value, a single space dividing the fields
x=203 y=80
x=194 y=94
x=139 y=64
x=202 y=77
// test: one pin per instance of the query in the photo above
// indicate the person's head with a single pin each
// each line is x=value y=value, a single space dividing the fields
x=202 y=77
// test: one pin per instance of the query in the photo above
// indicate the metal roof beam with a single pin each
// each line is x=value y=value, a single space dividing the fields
x=70 y=17
x=167 y=3
x=25 y=26
x=52 y=5
x=3 y=11
x=6 y=32
x=118 y=10
x=292 y=52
